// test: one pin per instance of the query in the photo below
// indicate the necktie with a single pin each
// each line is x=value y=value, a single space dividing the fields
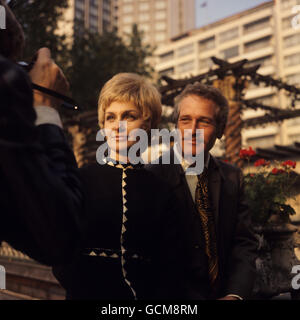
x=208 y=225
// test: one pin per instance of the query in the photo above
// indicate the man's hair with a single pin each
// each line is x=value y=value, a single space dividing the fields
x=135 y=89
x=210 y=93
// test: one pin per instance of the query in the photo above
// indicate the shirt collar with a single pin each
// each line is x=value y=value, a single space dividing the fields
x=184 y=163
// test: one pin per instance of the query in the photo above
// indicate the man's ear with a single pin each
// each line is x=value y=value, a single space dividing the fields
x=220 y=132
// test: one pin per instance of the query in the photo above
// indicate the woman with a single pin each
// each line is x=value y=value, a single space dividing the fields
x=132 y=248
x=40 y=198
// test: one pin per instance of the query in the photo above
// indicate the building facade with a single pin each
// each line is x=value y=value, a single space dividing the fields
x=268 y=35
x=159 y=20
x=93 y=15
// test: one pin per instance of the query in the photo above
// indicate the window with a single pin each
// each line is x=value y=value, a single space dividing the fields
x=185 y=67
x=127 y=29
x=257 y=44
x=161 y=36
x=261 y=142
x=229 y=35
x=166 y=56
x=266 y=100
x=264 y=62
x=160 y=15
x=257 y=25
x=292 y=60
x=79 y=5
x=79 y=15
x=207 y=44
x=159 y=26
x=160 y=4
x=144 y=6
x=185 y=50
x=144 y=17
x=287 y=22
x=167 y=72
x=293 y=79
x=93 y=3
x=127 y=9
x=230 y=52
x=93 y=22
x=292 y=40
x=144 y=27
x=205 y=63
x=289 y=3
x=127 y=19
x=295 y=137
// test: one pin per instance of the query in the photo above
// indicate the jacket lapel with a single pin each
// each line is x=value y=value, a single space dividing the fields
x=214 y=185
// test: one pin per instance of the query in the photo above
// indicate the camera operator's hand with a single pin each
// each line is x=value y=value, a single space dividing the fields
x=47 y=74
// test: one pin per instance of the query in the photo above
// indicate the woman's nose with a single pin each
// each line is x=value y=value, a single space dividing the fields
x=120 y=126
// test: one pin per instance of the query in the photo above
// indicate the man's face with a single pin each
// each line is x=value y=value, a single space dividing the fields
x=197 y=113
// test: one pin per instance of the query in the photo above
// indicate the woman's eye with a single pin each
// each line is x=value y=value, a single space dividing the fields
x=131 y=117
x=109 y=118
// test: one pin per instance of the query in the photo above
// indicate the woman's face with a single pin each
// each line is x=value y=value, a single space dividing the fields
x=120 y=119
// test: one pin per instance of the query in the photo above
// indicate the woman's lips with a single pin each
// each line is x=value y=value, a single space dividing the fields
x=120 y=138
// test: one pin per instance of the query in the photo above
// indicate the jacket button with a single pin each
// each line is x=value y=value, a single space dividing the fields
x=197 y=246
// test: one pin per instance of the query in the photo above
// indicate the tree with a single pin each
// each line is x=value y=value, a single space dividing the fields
x=96 y=58
x=91 y=60
x=39 y=20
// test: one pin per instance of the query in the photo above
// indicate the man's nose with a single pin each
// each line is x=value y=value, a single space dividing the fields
x=194 y=127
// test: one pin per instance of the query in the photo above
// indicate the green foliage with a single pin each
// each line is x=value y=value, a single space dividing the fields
x=267 y=192
x=96 y=58
x=39 y=20
x=91 y=59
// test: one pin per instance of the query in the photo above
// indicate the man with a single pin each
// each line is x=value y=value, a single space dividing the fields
x=40 y=189
x=222 y=249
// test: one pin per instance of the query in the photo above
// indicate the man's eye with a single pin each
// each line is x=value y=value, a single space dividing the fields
x=184 y=119
x=109 y=118
x=205 y=122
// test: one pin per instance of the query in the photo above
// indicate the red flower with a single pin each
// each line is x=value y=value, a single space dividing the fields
x=276 y=171
x=247 y=153
x=261 y=162
x=289 y=164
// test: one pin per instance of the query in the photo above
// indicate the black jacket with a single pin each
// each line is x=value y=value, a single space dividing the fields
x=40 y=196
x=153 y=247
x=237 y=244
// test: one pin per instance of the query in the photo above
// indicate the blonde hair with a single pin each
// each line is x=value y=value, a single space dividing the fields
x=131 y=87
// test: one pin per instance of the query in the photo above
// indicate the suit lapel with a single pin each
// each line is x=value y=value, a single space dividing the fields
x=214 y=185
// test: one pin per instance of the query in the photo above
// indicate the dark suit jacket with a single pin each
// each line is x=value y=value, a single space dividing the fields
x=236 y=241
x=41 y=196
